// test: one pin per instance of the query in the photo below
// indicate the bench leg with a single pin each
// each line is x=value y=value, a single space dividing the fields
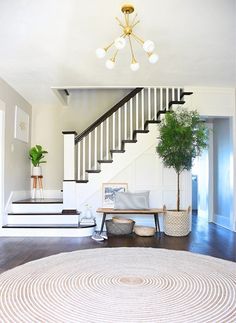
x=103 y=221
x=157 y=224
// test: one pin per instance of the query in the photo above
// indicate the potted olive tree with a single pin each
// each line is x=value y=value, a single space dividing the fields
x=183 y=136
x=36 y=154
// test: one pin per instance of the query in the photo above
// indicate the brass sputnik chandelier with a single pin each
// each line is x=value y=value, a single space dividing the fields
x=127 y=35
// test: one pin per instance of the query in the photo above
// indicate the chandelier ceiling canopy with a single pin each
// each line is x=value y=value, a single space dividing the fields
x=127 y=36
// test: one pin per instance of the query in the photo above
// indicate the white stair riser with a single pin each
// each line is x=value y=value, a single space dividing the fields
x=46 y=232
x=43 y=219
x=37 y=208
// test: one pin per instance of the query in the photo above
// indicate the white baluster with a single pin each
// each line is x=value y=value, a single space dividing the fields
x=101 y=141
x=83 y=159
x=125 y=117
x=179 y=92
x=173 y=94
x=167 y=99
x=131 y=119
x=95 y=147
x=161 y=99
x=137 y=113
x=149 y=103
x=142 y=109
x=89 y=151
x=107 y=139
x=119 y=128
x=114 y=131
x=78 y=160
x=155 y=103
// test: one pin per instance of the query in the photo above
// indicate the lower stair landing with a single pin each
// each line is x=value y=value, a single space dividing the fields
x=45 y=217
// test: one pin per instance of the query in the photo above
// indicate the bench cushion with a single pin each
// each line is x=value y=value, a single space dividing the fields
x=133 y=201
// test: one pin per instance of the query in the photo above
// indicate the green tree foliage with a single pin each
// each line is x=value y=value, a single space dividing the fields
x=183 y=136
x=36 y=154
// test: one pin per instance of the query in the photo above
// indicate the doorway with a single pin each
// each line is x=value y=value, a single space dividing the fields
x=212 y=186
x=2 y=145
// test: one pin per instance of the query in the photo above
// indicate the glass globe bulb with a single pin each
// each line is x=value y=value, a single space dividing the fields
x=148 y=46
x=110 y=64
x=100 y=52
x=120 y=43
x=134 y=66
x=153 y=58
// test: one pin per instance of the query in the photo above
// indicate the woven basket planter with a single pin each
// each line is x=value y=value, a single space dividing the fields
x=119 y=228
x=177 y=223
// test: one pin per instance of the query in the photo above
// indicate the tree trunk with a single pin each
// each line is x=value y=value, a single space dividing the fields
x=178 y=192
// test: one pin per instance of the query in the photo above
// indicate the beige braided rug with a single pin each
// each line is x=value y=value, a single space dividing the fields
x=120 y=285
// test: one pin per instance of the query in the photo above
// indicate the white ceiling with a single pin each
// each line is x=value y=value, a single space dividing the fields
x=52 y=43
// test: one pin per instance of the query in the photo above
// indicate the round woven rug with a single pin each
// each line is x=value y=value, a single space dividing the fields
x=120 y=285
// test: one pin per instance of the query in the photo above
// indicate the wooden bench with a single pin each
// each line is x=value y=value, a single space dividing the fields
x=154 y=212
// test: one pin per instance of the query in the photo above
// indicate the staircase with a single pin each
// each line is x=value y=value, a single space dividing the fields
x=93 y=157
x=97 y=148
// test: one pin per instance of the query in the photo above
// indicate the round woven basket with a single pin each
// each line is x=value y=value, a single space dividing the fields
x=117 y=219
x=144 y=231
x=119 y=228
x=177 y=223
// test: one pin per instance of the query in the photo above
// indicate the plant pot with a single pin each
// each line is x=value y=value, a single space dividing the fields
x=36 y=171
x=177 y=223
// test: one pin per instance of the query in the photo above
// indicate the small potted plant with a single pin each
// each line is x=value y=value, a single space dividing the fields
x=36 y=154
x=183 y=136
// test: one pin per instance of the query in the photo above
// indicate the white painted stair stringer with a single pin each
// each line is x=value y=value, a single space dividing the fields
x=120 y=161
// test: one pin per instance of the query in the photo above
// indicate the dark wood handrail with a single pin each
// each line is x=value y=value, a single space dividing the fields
x=108 y=114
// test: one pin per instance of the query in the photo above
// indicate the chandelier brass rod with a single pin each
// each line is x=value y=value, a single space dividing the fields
x=137 y=22
x=138 y=39
x=133 y=21
x=120 y=23
x=131 y=49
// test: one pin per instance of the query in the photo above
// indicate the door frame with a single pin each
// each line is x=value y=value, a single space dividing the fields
x=2 y=158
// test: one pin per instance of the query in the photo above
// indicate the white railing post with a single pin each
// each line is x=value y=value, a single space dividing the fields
x=161 y=99
x=142 y=106
x=101 y=141
x=84 y=159
x=95 y=147
x=119 y=129
x=167 y=99
x=89 y=152
x=125 y=117
x=69 y=183
x=69 y=155
x=107 y=139
x=149 y=103
x=137 y=113
x=155 y=103
x=131 y=119
x=113 y=130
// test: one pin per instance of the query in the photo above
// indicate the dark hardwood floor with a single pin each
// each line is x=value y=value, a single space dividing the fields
x=207 y=239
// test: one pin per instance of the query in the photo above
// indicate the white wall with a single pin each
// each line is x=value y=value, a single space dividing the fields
x=147 y=173
x=17 y=164
x=85 y=106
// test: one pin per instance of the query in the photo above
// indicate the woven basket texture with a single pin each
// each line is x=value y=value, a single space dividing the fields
x=119 y=228
x=177 y=224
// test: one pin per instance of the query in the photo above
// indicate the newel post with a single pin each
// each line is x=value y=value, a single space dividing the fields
x=69 y=182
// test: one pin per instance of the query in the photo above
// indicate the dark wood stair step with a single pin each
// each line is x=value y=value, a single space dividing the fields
x=44 y=213
x=185 y=93
x=175 y=102
x=39 y=201
x=105 y=161
x=127 y=141
x=117 y=151
x=82 y=181
x=91 y=171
